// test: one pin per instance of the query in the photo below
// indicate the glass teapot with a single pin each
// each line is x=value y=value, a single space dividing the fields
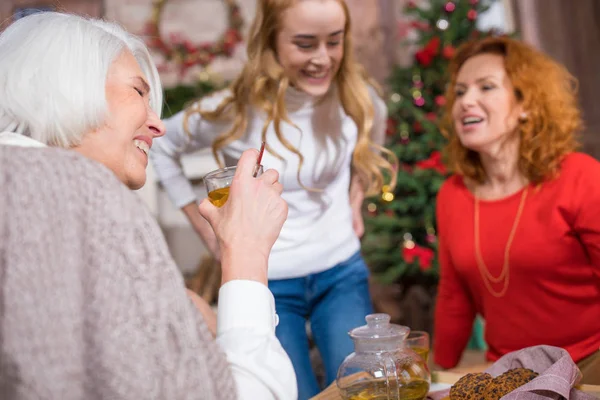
x=382 y=367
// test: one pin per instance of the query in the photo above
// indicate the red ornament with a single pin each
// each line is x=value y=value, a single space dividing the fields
x=449 y=7
x=424 y=254
x=419 y=102
x=426 y=55
x=411 y=4
x=390 y=127
x=472 y=15
x=433 y=46
x=424 y=58
x=417 y=127
x=420 y=26
x=431 y=238
x=440 y=100
x=448 y=52
x=431 y=116
x=473 y=2
x=434 y=162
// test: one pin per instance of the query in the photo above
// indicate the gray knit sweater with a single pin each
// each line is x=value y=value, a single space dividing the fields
x=91 y=304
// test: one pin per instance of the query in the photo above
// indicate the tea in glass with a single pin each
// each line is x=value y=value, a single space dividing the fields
x=382 y=390
x=218 y=183
x=418 y=341
x=219 y=196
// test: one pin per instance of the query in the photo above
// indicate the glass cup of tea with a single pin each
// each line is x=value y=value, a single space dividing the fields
x=418 y=341
x=218 y=183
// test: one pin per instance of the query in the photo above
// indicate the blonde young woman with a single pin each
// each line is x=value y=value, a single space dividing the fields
x=302 y=92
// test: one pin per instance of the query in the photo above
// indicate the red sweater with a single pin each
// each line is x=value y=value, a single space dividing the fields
x=553 y=296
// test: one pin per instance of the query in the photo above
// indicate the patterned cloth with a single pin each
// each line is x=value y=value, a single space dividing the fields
x=558 y=375
x=91 y=304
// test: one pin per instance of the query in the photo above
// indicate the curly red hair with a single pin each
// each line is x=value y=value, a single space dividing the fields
x=547 y=91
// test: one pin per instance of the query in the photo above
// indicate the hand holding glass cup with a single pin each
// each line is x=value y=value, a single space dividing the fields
x=218 y=182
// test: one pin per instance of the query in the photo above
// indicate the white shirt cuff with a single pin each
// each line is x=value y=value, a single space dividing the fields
x=245 y=304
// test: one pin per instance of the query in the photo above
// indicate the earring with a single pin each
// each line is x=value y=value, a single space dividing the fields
x=523 y=117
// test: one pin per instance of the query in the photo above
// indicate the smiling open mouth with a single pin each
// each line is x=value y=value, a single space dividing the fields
x=471 y=120
x=143 y=146
x=316 y=75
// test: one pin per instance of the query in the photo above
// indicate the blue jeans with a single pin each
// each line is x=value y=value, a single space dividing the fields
x=334 y=301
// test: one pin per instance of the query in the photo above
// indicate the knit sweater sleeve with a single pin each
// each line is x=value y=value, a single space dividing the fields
x=152 y=342
x=166 y=151
x=454 y=311
x=92 y=305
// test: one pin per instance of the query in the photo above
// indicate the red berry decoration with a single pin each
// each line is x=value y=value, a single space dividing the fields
x=472 y=15
x=449 y=7
x=448 y=52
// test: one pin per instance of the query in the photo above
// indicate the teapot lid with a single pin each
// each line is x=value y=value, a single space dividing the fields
x=379 y=328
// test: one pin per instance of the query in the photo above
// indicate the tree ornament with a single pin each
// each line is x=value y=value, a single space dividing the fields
x=404 y=137
x=431 y=116
x=448 y=52
x=440 y=100
x=390 y=127
x=419 y=102
x=472 y=15
x=473 y=2
x=442 y=24
x=449 y=7
x=387 y=196
x=372 y=208
x=417 y=127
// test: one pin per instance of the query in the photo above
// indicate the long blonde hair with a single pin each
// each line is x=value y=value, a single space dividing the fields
x=263 y=84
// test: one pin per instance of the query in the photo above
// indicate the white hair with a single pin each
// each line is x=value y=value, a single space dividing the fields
x=53 y=71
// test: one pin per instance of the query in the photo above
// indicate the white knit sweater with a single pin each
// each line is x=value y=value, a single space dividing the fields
x=318 y=233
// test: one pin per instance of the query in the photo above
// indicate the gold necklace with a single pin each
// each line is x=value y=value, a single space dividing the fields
x=483 y=269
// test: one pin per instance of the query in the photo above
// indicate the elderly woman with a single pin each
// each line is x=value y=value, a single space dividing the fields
x=92 y=305
x=519 y=221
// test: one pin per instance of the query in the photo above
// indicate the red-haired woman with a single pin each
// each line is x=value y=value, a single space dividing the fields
x=519 y=221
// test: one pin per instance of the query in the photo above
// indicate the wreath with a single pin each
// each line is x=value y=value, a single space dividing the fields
x=187 y=54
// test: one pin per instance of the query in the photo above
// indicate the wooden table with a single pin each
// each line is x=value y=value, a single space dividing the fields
x=450 y=377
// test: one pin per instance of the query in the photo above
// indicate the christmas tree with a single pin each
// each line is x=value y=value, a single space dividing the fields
x=400 y=240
